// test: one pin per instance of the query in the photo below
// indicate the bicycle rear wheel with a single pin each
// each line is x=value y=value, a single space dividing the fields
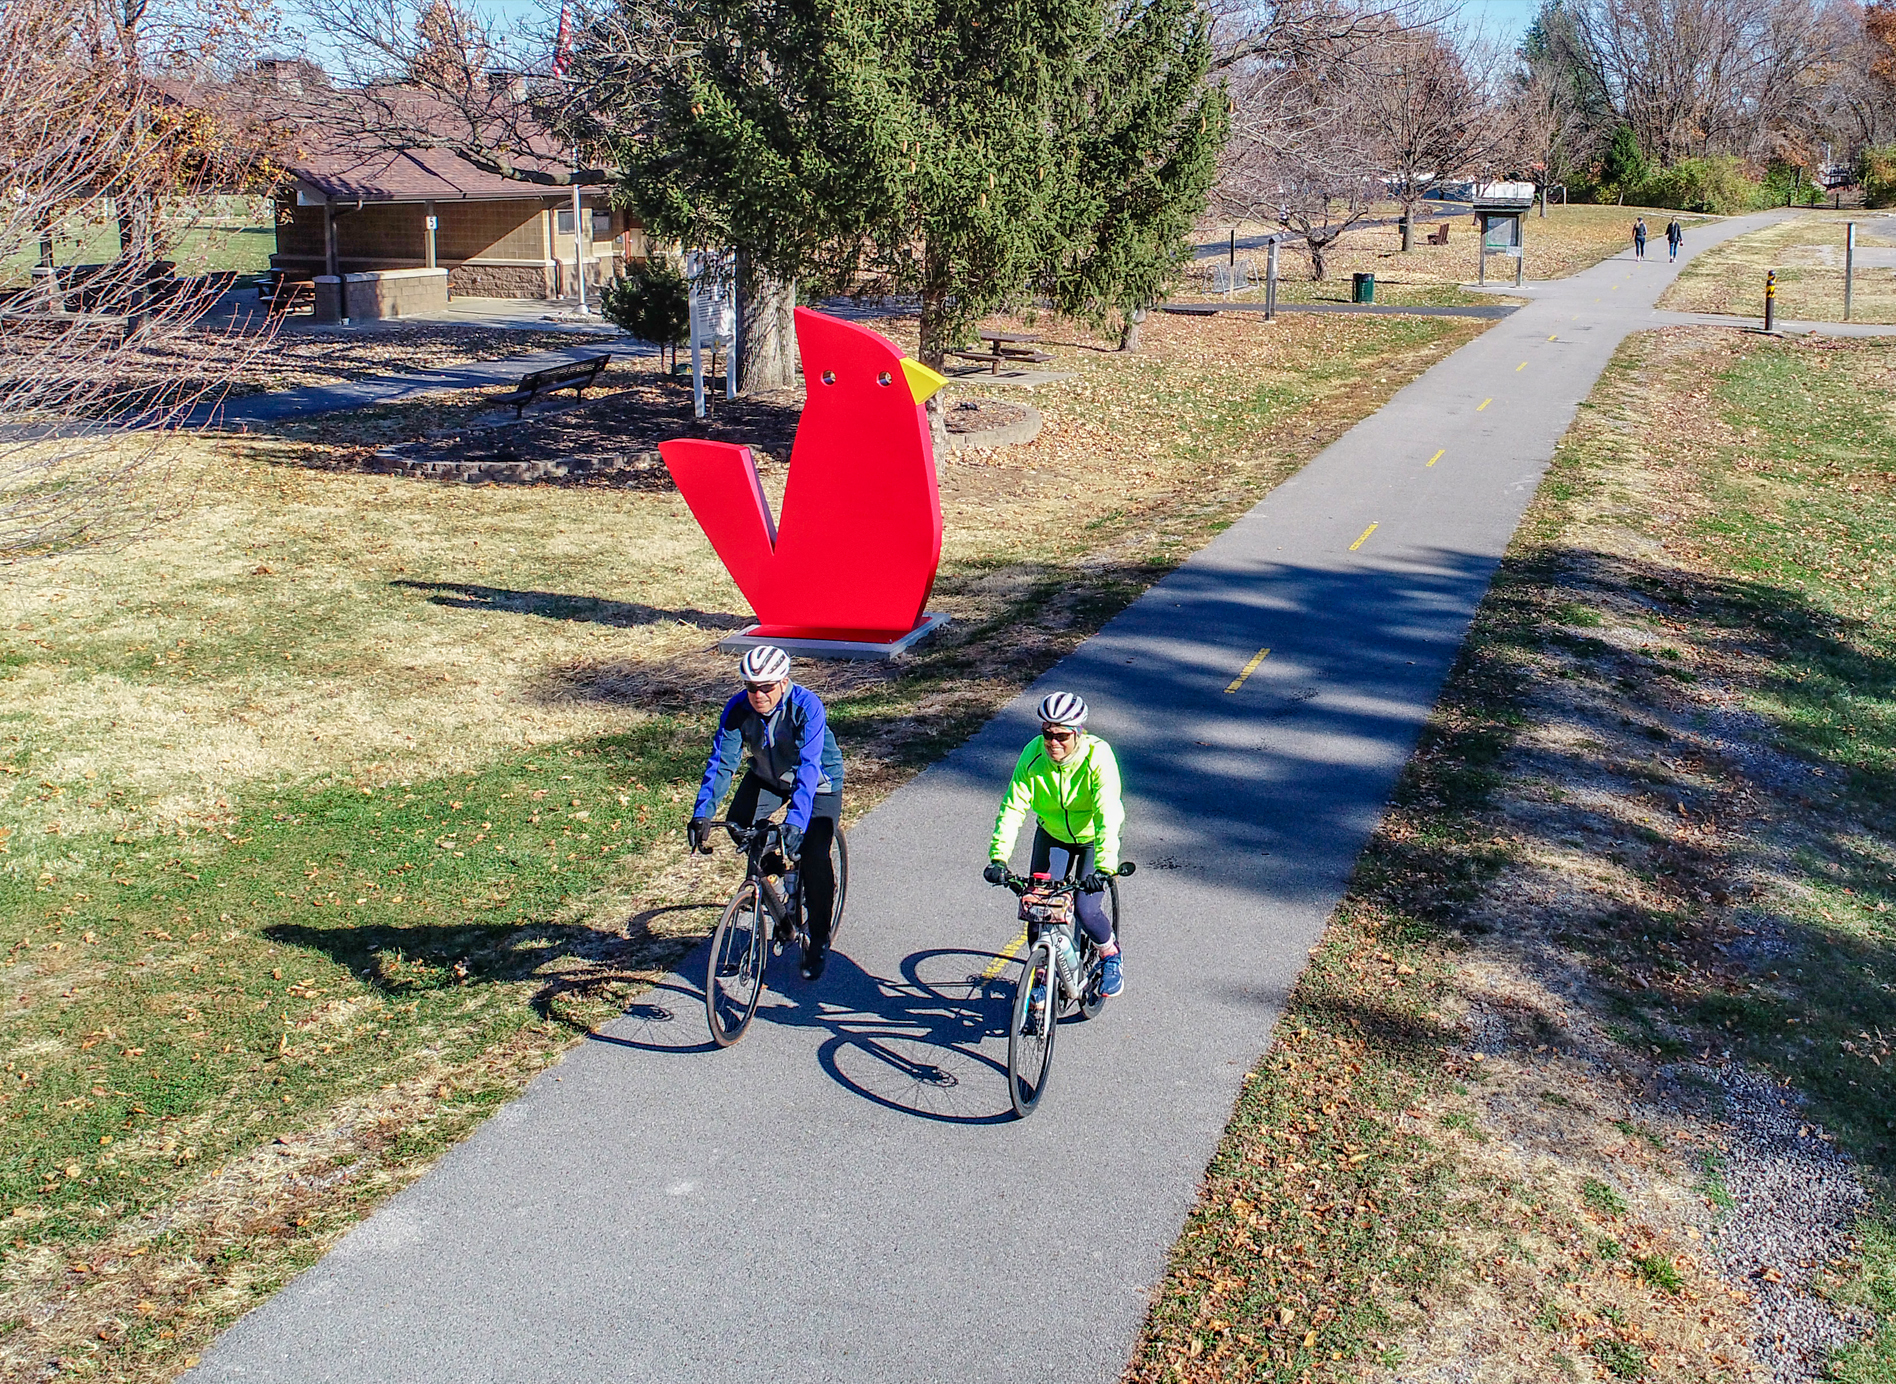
x=734 y=976
x=1032 y=1028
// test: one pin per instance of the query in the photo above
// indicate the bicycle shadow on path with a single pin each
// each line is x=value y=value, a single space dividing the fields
x=917 y=1045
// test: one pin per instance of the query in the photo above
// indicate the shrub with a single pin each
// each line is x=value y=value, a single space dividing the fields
x=1786 y=185
x=1876 y=175
x=1721 y=185
x=651 y=301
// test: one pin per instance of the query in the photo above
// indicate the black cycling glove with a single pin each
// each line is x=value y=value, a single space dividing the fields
x=1094 y=883
x=996 y=872
x=695 y=835
x=792 y=838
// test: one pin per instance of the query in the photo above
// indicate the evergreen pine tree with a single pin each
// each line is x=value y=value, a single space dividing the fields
x=965 y=152
x=1623 y=166
x=1148 y=155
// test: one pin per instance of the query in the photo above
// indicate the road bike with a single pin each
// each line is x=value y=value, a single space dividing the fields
x=1055 y=973
x=763 y=917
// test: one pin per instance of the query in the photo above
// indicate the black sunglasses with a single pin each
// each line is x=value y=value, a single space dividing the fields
x=1058 y=734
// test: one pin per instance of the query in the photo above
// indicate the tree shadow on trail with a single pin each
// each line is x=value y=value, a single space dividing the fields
x=554 y=605
x=572 y=963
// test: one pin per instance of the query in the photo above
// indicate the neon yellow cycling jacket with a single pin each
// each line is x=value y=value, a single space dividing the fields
x=1077 y=802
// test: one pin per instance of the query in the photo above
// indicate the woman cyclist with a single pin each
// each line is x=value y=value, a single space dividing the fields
x=1070 y=780
x=793 y=759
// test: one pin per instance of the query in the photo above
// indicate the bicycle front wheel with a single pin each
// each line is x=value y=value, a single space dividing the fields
x=839 y=862
x=734 y=977
x=1032 y=1028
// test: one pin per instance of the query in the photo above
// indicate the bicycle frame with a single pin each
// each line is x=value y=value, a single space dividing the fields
x=758 y=842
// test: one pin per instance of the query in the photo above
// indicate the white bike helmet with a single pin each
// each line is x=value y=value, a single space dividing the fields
x=763 y=664
x=1063 y=709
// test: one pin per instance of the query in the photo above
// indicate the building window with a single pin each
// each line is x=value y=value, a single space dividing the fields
x=602 y=225
x=564 y=222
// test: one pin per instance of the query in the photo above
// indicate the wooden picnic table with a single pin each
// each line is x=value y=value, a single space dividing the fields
x=1005 y=347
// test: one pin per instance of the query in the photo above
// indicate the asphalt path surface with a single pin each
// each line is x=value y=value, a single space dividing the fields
x=844 y=1196
x=309 y=400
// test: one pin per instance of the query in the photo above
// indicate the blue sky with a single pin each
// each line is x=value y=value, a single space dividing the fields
x=1502 y=19
x=1505 y=18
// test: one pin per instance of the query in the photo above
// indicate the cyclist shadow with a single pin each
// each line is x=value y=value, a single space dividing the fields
x=918 y=1044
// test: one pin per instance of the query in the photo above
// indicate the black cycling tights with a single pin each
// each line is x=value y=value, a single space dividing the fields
x=1065 y=861
x=754 y=801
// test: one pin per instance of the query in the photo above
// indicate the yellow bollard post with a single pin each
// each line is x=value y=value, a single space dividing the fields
x=1770 y=301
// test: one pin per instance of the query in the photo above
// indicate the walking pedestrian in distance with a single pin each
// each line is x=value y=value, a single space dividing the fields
x=1639 y=238
x=1675 y=234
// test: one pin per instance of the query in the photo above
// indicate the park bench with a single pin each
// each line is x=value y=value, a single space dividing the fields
x=1439 y=236
x=577 y=375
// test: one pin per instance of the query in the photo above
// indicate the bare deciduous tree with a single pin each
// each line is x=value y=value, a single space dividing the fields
x=1698 y=77
x=95 y=138
x=1429 y=113
x=1301 y=154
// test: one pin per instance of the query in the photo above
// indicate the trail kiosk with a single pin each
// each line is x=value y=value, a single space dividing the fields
x=1500 y=210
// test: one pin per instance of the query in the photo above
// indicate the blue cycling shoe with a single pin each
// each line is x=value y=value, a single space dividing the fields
x=1112 y=980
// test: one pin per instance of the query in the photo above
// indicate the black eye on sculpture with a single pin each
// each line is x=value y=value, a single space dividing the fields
x=829 y=377
x=885 y=378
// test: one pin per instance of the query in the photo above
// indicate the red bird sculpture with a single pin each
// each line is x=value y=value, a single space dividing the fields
x=854 y=554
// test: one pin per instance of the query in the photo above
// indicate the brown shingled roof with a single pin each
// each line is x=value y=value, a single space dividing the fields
x=416 y=175
x=351 y=147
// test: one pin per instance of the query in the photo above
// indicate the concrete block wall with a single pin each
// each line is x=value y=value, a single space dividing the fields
x=476 y=280
x=381 y=294
x=490 y=230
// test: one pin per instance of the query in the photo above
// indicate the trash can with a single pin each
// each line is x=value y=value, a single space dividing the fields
x=1363 y=288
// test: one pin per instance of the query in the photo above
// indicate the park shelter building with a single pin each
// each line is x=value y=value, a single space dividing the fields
x=380 y=212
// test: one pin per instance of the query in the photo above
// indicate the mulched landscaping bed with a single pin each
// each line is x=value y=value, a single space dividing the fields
x=614 y=439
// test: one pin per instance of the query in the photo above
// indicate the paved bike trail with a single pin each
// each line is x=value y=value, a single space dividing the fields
x=843 y=1196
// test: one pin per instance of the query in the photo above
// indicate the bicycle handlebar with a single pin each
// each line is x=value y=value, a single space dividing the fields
x=748 y=830
x=1018 y=885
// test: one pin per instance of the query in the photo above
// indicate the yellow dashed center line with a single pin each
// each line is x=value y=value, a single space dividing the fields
x=1008 y=953
x=1366 y=533
x=1483 y=404
x=1519 y=368
x=1556 y=335
x=1256 y=659
x=1437 y=457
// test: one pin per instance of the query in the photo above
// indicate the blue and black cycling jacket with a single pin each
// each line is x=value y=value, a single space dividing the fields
x=792 y=750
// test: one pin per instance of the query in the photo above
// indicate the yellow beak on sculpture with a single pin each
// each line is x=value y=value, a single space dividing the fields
x=922 y=381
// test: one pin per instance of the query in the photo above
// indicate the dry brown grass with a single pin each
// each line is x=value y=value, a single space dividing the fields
x=1807 y=253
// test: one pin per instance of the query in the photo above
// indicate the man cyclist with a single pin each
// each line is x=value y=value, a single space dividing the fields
x=794 y=760
x=1070 y=780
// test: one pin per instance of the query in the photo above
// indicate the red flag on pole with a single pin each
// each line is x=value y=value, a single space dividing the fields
x=563 y=45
